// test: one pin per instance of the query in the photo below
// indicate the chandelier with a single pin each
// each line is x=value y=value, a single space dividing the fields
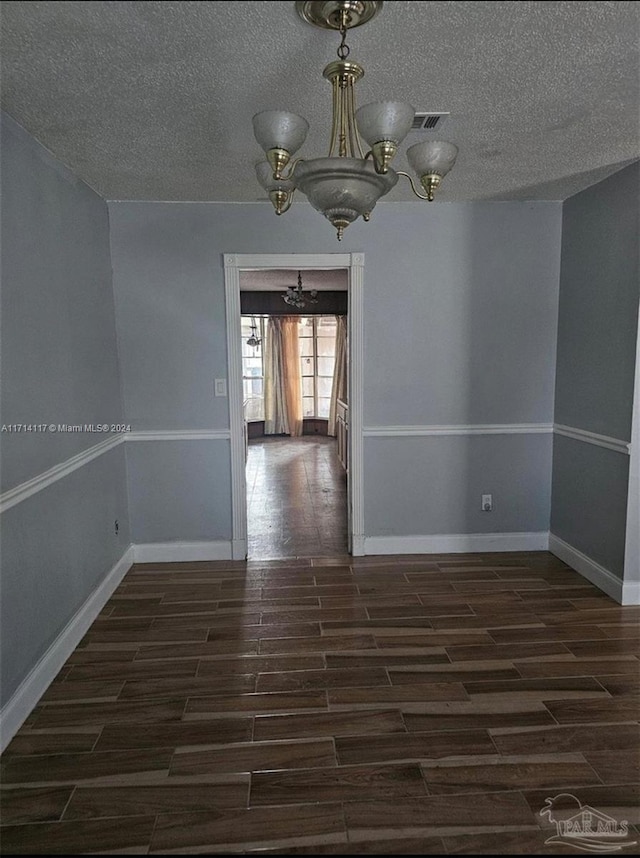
x=297 y=298
x=349 y=181
x=254 y=340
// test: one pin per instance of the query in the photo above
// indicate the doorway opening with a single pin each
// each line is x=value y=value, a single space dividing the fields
x=320 y=512
x=295 y=401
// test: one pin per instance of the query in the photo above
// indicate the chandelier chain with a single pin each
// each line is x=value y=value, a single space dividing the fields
x=343 y=48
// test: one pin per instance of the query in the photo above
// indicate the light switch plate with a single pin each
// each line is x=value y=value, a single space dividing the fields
x=220 y=387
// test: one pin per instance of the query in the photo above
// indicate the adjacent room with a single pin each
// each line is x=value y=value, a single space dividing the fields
x=320 y=411
x=295 y=410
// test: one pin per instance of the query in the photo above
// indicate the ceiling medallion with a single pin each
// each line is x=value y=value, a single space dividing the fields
x=349 y=181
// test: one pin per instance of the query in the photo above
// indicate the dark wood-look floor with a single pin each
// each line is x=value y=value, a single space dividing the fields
x=414 y=705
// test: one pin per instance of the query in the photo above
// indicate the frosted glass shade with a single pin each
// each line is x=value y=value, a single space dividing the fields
x=264 y=173
x=385 y=120
x=277 y=129
x=342 y=188
x=434 y=156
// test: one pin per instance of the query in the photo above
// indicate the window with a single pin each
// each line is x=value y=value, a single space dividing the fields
x=317 y=343
x=317 y=338
x=253 y=369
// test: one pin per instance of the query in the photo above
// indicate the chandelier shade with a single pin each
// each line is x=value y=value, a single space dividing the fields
x=343 y=189
x=432 y=161
x=385 y=120
x=432 y=157
x=384 y=125
x=278 y=129
x=280 y=190
x=347 y=183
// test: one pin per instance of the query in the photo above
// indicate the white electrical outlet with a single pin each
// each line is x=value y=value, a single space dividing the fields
x=487 y=503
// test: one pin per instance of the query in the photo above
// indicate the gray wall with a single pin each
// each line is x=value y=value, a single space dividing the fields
x=180 y=490
x=441 y=481
x=597 y=327
x=460 y=315
x=57 y=547
x=59 y=358
x=59 y=365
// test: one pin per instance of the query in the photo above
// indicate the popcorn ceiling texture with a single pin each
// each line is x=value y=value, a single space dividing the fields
x=153 y=100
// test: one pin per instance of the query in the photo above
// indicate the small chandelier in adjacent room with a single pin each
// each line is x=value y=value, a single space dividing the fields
x=297 y=298
x=347 y=183
x=254 y=340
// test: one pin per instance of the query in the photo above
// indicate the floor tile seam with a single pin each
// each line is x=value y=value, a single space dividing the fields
x=223 y=656
x=583 y=754
x=185 y=751
x=153 y=832
x=61 y=818
x=438 y=799
x=412 y=760
x=547 y=728
x=528 y=659
x=113 y=780
x=497 y=791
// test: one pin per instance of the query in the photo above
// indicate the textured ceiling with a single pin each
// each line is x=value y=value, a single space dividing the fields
x=153 y=100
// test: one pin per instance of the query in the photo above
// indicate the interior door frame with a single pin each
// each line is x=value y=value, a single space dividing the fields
x=234 y=263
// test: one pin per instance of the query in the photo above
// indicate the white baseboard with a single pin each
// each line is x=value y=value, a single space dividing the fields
x=183 y=552
x=37 y=681
x=456 y=543
x=238 y=549
x=42 y=675
x=631 y=593
x=358 y=545
x=594 y=572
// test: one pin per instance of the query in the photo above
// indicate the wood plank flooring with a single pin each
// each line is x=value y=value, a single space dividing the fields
x=380 y=705
x=296 y=498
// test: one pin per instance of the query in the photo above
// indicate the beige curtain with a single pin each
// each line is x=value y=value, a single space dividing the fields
x=339 y=386
x=292 y=375
x=282 y=383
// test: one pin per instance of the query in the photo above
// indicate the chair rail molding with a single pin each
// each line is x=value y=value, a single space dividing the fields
x=32 y=486
x=178 y=435
x=615 y=444
x=36 y=484
x=458 y=429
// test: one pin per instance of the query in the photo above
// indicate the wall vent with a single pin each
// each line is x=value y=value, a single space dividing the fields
x=424 y=121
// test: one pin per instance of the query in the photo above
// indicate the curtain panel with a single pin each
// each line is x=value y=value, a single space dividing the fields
x=282 y=381
x=339 y=386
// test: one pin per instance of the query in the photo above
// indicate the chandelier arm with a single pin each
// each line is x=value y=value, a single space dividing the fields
x=289 y=173
x=413 y=187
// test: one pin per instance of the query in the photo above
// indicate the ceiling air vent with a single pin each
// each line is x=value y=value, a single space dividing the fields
x=428 y=121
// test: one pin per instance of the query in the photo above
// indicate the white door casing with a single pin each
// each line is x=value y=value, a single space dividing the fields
x=354 y=263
